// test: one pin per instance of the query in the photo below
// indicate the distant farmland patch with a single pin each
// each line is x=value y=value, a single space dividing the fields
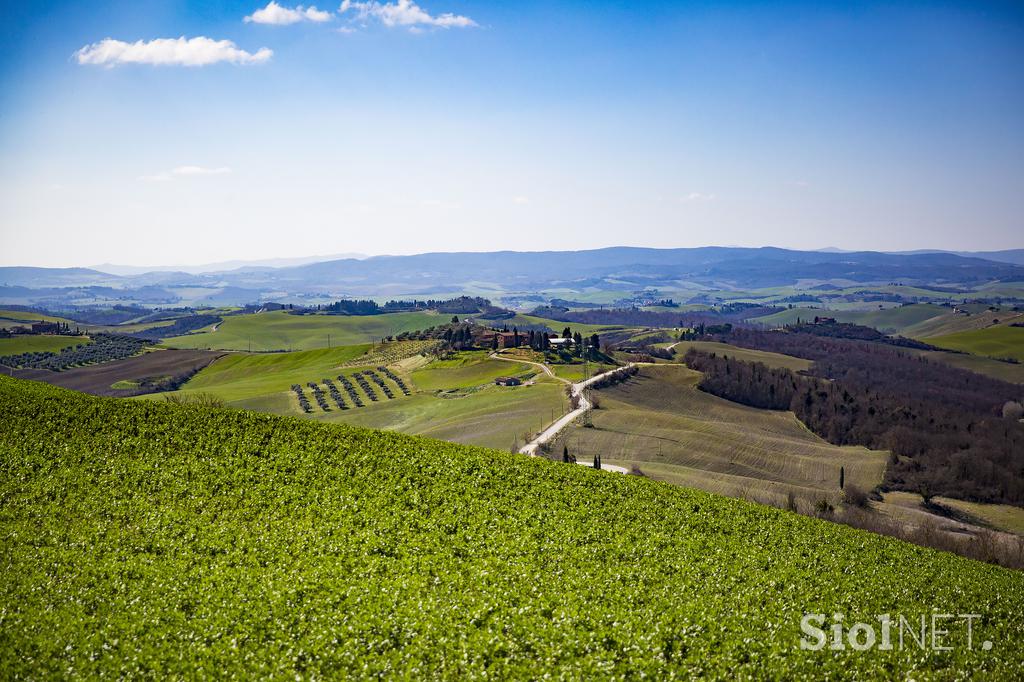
x=38 y=343
x=660 y=422
x=146 y=373
x=1002 y=341
x=279 y=330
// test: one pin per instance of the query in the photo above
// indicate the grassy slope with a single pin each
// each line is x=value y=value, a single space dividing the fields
x=24 y=316
x=1001 y=341
x=888 y=320
x=574 y=372
x=241 y=376
x=142 y=539
x=491 y=416
x=998 y=516
x=281 y=331
x=557 y=326
x=953 y=323
x=674 y=432
x=37 y=344
x=1014 y=373
x=456 y=400
x=464 y=371
x=745 y=354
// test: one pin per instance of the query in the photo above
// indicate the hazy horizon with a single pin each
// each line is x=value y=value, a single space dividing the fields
x=190 y=133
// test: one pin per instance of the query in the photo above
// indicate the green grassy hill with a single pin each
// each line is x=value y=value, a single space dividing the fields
x=956 y=323
x=141 y=539
x=890 y=320
x=26 y=318
x=39 y=343
x=1001 y=341
x=454 y=399
x=282 y=331
x=244 y=376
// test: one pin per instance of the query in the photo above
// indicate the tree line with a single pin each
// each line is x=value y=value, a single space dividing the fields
x=944 y=426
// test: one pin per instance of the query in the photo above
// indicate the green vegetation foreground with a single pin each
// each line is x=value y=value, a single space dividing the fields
x=147 y=539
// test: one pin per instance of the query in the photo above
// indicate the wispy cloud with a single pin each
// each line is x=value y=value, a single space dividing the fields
x=199 y=51
x=522 y=201
x=404 y=13
x=277 y=15
x=696 y=196
x=440 y=203
x=185 y=172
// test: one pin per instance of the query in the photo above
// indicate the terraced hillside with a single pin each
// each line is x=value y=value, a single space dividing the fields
x=142 y=539
x=660 y=422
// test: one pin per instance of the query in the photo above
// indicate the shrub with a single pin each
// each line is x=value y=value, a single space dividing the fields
x=854 y=496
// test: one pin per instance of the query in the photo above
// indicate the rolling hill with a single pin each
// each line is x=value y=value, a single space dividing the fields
x=149 y=540
x=279 y=330
x=660 y=422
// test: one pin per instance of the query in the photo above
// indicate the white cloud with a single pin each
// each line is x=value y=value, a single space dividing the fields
x=185 y=172
x=696 y=196
x=277 y=15
x=199 y=51
x=522 y=201
x=199 y=170
x=404 y=13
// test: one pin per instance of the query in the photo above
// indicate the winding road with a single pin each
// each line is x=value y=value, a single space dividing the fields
x=553 y=430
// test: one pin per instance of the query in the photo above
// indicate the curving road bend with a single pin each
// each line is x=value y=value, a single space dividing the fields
x=553 y=430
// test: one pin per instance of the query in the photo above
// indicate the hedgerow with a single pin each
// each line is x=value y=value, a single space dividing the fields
x=141 y=539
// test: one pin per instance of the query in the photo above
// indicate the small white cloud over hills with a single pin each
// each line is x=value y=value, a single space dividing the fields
x=198 y=51
x=277 y=15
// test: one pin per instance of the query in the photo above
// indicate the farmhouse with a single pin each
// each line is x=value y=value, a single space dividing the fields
x=46 y=328
x=507 y=381
x=505 y=339
x=559 y=342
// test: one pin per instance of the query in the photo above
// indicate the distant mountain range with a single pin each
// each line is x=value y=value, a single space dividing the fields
x=498 y=273
x=223 y=266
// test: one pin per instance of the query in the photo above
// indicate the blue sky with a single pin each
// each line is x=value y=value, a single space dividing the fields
x=401 y=127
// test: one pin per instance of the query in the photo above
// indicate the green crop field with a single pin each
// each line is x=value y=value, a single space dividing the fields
x=660 y=422
x=31 y=343
x=282 y=331
x=141 y=539
x=744 y=354
x=1002 y=341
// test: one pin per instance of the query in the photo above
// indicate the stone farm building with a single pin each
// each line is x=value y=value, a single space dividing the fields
x=505 y=339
